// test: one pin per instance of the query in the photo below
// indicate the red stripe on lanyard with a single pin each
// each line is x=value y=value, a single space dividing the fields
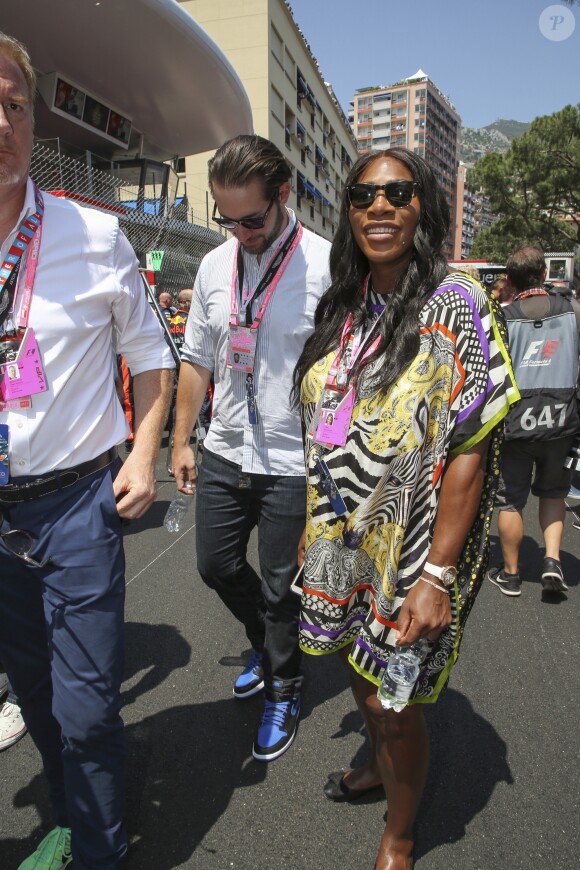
x=16 y=252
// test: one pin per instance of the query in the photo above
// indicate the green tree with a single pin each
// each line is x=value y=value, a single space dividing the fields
x=534 y=187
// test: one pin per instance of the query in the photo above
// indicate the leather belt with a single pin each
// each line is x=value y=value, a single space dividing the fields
x=47 y=484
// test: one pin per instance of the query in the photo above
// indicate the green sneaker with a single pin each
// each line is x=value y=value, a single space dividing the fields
x=52 y=854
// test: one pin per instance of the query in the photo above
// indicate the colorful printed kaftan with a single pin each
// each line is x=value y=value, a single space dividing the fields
x=360 y=566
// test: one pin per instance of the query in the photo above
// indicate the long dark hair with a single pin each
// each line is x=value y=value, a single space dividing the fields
x=399 y=326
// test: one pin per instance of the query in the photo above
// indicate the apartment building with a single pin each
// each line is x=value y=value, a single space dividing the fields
x=415 y=114
x=483 y=215
x=291 y=103
x=465 y=223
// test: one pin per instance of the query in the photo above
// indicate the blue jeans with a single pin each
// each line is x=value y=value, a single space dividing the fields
x=61 y=642
x=227 y=509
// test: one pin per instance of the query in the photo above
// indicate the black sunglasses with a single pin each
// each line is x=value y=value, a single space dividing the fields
x=398 y=193
x=250 y=223
x=20 y=542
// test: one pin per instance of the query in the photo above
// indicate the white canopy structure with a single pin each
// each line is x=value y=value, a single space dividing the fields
x=145 y=60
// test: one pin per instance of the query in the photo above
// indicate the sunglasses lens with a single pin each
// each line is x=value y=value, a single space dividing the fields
x=360 y=195
x=253 y=223
x=18 y=542
x=400 y=193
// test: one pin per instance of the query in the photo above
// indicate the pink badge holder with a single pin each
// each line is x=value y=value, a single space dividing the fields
x=23 y=376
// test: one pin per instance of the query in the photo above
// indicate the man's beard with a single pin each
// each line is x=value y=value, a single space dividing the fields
x=12 y=176
x=7 y=177
x=271 y=237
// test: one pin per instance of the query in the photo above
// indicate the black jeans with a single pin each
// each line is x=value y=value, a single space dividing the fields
x=229 y=505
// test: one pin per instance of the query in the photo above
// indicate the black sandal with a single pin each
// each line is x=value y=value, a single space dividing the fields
x=337 y=790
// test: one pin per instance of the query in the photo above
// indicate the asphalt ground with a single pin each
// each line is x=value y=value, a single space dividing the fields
x=503 y=784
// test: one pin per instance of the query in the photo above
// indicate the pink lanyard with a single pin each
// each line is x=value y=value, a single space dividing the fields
x=271 y=287
x=357 y=343
x=29 y=277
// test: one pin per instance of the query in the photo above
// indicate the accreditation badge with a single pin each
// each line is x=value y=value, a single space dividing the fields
x=21 y=371
x=241 y=350
x=334 y=416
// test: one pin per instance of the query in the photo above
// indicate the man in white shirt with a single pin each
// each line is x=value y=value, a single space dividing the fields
x=252 y=310
x=70 y=293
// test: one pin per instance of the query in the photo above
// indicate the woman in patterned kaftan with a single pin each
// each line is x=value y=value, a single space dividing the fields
x=414 y=461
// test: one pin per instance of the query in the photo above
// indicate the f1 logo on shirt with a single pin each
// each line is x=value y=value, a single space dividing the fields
x=538 y=350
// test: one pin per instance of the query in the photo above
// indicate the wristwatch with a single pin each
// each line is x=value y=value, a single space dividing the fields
x=447 y=575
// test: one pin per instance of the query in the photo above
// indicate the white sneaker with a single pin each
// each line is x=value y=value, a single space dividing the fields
x=3 y=684
x=12 y=726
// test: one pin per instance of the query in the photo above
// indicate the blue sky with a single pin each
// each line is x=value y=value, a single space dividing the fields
x=488 y=56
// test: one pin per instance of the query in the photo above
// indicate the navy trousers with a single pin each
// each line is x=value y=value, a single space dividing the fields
x=61 y=642
x=229 y=505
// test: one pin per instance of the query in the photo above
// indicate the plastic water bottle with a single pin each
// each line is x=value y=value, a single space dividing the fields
x=401 y=675
x=177 y=510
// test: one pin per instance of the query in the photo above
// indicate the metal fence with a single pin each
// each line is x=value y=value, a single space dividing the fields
x=183 y=242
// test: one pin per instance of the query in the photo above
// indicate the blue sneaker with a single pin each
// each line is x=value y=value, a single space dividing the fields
x=277 y=728
x=53 y=852
x=251 y=680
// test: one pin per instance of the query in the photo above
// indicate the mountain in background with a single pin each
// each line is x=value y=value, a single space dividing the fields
x=477 y=141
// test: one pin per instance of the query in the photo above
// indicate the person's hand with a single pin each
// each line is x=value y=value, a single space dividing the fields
x=184 y=468
x=301 y=549
x=425 y=612
x=135 y=487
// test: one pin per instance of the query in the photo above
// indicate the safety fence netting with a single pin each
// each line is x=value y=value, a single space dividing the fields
x=169 y=231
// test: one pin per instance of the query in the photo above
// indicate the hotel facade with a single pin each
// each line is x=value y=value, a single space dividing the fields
x=292 y=105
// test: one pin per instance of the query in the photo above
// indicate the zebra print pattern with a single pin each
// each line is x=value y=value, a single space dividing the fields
x=359 y=568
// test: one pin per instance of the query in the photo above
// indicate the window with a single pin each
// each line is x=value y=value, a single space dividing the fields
x=289 y=127
x=301 y=88
x=300 y=188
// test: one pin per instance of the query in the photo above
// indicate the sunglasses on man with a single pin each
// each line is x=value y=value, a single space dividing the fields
x=250 y=223
x=398 y=193
x=20 y=542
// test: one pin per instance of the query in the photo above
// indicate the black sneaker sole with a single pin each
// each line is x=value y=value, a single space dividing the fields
x=502 y=588
x=249 y=692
